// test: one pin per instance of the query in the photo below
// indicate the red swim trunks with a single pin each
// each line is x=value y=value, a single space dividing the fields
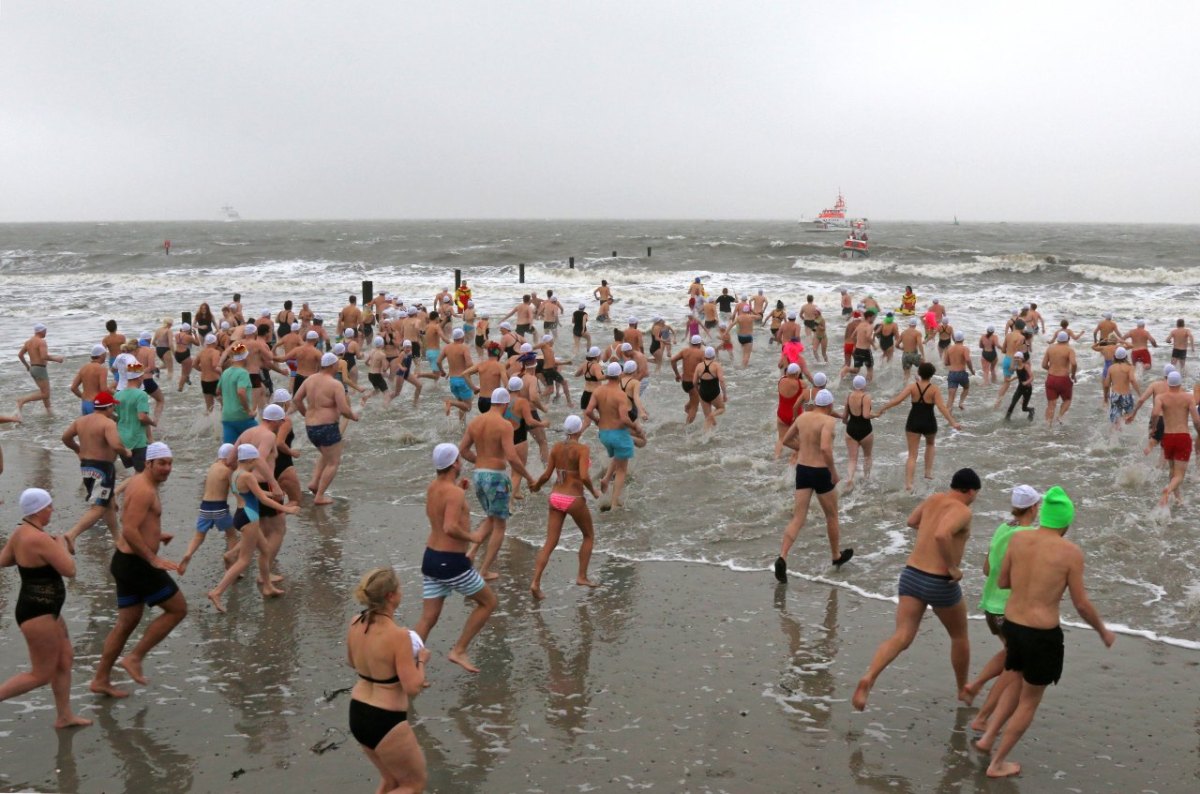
x=848 y=348
x=1177 y=446
x=1141 y=356
x=1059 y=387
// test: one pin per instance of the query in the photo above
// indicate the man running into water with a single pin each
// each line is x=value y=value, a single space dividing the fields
x=1182 y=342
x=1060 y=364
x=97 y=442
x=488 y=443
x=930 y=579
x=957 y=359
x=326 y=405
x=604 y=295
x=811 y=435
x=445 y=566
x=1176 y=407
x=1121 y=382
x=1039 y=566
x=912 y=347
x=690 y=357
x=141 y=575
x=1140 y=340
x=34 y=356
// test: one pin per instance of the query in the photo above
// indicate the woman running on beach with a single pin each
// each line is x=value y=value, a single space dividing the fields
x=776 y=319
x=859 y=432
x=592 y=376
x=250 y=498
x=921 y=421
x=162 y=346
x=391 y=671
x=709 y=378
x=569 y=465
x=520 y=414
x=285 y=453
x=42 y=562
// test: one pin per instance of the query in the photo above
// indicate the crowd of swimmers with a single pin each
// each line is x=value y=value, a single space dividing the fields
x=259 y=371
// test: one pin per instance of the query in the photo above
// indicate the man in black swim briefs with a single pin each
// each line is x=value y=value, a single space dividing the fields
x=1039 y=567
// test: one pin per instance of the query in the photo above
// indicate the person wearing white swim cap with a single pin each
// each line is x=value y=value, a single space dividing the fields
x=603 y=294
x=989 y=341
x=1060 y=365
x=860 y=434
x=547 y=367
x=456 y=357
x=579 y=328
x=42 y=560
x=911 y=344
x=792 y=395
x=550 y=310
x=1020 y=369
x=323 y=403
x=811 y=436
x=489 y=444
x=610 y=408
x=709 y=377
x=957 y=359
x=1120 y=382
x=34 y=355
x=142 y=578
x=569 y=463
x=1140 y=341
x=683 y=365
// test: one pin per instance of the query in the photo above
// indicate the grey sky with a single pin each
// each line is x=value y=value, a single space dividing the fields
x=1013 y=111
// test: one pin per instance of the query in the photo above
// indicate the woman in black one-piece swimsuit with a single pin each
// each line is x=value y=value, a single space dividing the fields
x=42 y=561
x=925 y=396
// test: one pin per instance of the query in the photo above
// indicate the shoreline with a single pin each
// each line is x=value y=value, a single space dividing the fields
x=676 y=675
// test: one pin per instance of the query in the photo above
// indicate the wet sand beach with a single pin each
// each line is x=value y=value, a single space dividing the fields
x=674 y=676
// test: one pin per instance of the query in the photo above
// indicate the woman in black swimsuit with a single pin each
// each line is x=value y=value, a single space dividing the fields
x=921 y=421
x=285 y=453
x=520 y=413
x=710 y=384
x=390 y=672
x=42 y=562
x=590 y=370
x=859 y=432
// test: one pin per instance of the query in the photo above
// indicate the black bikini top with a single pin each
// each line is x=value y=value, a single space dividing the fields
x=365 y=617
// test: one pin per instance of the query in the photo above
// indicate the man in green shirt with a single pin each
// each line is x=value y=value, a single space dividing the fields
x=237 y=413
x=1025 y=501
x=133 y=418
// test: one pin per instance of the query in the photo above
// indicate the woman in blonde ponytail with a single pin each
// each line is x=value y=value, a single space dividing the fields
x=390 y=663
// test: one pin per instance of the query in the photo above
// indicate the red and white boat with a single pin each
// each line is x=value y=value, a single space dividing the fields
x=833 y=217
x=856 y=246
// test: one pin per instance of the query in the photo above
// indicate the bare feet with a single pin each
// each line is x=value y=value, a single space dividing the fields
x=537 y=592
x=490 y=576
x=322 y=500
x=271 y=592
x=967 y=695
x=982 y=746
x=583 y=581
x=106 y=688
x=861 y=693
x=1006 y=769
x=73 y=721
x=462 y=661
x=979 y=724
x=134 y=668
x=216 y=602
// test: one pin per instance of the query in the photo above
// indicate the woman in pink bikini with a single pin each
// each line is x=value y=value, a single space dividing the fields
x=568 y=464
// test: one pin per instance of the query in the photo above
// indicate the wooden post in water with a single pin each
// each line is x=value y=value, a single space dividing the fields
x=186 y=317
x=572 y=263
x=521 y=273
x=368 y=288
x=648 y=251
x=457 y=278
x=614 y=256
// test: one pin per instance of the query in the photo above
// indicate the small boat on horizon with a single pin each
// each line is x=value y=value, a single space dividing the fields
x=230 y=214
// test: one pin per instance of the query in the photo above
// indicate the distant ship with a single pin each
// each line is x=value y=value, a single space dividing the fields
x=230 y=214
x=832 y=219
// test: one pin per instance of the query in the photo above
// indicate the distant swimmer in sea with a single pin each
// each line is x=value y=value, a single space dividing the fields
x=1038 y=567
x=930 y=578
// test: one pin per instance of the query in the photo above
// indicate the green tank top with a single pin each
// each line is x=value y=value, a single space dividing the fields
x=995 y=598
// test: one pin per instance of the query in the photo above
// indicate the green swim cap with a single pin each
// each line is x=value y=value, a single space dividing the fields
x=1057 y=509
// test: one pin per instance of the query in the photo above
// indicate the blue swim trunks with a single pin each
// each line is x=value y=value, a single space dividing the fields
x=617 y=443
x=959 y=378
x=460 y=388
x=493 y=489
x=447 y=572
x=86 y=407
x=231 y=430
x=213 y=513
x=1006 y=366
x=432 y=356
x=323 y=435
x=936 y=590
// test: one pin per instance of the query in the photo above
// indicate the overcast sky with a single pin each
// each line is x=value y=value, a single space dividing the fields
x=620 y=109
